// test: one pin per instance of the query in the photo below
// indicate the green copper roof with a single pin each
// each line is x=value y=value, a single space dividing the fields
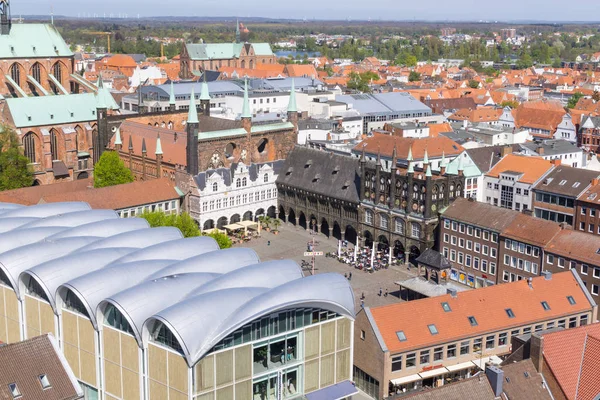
x=118 y=137
x=425 y=157
x=172 y=95
x=428 y=172
x=204 y=91
x=158 y=146
x=219 y=51
x=53 y=110
x=292 y=104
x=411 y=168
x=443 y=163
x=33 y=41
x=272 y=127
x=193 y=111
x=410 y=156
x=241 y=131
x=246 y=104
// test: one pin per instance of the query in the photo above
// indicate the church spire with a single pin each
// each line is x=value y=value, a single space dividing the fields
x=292 y=107
x=172 y=95
x=158 y=146
x=246 y=105
x=192 y=112
x=5 y=21
x=237 y=30
x=118 y=141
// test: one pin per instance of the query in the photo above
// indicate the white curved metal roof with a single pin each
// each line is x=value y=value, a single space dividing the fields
x=9 y=224
x=176 y=250
x=200 y=322
x=47 y=210
x=21 y=237
x=9 y=206
x=72 y=219
x=218 y=261
x=51 y=274
x=103 y=228
x=138 y=238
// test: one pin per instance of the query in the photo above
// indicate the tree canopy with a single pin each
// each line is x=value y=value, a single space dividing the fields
x=110 y=170
x=15 y=171
x=362 y=81
x=574 y=100
x=183 y=221
x=414 y=76
x=222 y=239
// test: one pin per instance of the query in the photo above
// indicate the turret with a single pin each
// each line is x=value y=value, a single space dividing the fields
x=118 y=142
x=159 y=157
x=144 y=153
x=205 y=97
x=191 y=155
x=130 y=148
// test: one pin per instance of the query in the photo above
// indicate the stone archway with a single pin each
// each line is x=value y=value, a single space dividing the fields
x=337 y=231
x=292 y=216
x=313 y=222
x=302 y=220
x=234 y=218
x=350 y=234
x=247 y=216
x=282 y=214
x=368 y=236
x=382 y=243
x=82 y=175
x=221 y=222
x=398 y=249
x=209 y=224
x=324 y=227
x=259 y=213
x=271 y=211
x=414 y=253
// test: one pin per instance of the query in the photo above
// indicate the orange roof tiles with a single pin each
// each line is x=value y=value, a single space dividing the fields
x=299 y=70
x=385 y=144
x=576 y=245
x=527 y=229
x=436 y=129
x=480 y=114
x=277 y=68
x=573 y=356
x=487 y=305
x=533 y=168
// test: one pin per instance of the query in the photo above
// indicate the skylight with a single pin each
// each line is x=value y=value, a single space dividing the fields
x=571 y=300
x=44 y=381
x=473 y=321
x=562 y=183
x=545 y=305
x=446 y=307
x=510 y=313
x=576 y=184
x=432 y=329
x=14 y=390
x=401 y=336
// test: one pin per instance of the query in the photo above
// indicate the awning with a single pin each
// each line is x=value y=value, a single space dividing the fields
x=433 y=372
x=458 y=367
x=335 y=392
x=406 y=379
x=59 y=169
x=247 y=224
x=495 y=360
x=233 y=227
x=480 y=362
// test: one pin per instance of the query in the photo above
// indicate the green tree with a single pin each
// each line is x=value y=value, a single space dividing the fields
x=222 y=239
x=414 y=76
x=361 y=81
x=596 y=96
x=110 y=170
x=574 y=100
x=183 y=221
x=473 y=84
x=15 y=171
x=524 y=61
x=510 y=103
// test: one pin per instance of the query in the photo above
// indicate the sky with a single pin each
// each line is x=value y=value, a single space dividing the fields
x=438 y=10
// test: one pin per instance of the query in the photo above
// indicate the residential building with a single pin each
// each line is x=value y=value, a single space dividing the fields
x=510 y=182
x=239 y=193
x=469 y=237
x=324 y=130
x=566 y=130
x=379 y=108
x=589 y=133
x=587 y=212
x=36 y=369
x=489 y=115
x=489 y=134
x=555 y=196
x=415 y=130
x=508 y=33
x=443 y=106
x=556 y=149
x=424 y=342
x=128 y=199
x=153 y=315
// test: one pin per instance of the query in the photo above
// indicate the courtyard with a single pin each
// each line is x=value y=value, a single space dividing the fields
x=291 y=243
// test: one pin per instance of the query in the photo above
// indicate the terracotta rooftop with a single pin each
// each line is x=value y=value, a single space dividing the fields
x=531 y=230
x=23 y=363
x=476 y=115
x=573 y=356
x=532 y=168
x=523 y=381
x=31 y=195
x=576 y=245
x=121 y=196
x=487 y=305
x=480 y=214
x=385 y=143
x=477 y=387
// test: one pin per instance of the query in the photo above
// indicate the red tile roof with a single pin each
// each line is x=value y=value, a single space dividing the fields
x=385 y=143
x=531 y=230
x=30 y=196
x=576 y=245
x=533 y=168
x=573 y=355
x=487 y=305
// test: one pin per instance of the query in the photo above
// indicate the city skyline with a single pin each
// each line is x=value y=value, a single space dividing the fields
x=439 y=11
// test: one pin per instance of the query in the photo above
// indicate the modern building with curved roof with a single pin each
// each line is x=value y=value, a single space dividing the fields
x=143 y=313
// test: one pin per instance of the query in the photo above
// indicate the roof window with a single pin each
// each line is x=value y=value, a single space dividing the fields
x=571 y=300
x=446 y=307
x=473 y=321
x=510 y=313
x=401 y=336
x=562 y=183
x=432 y=329
x=545 y=305
x=44 y=381
x=14 y=390
x=576 y=184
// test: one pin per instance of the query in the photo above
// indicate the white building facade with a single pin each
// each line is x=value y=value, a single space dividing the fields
x=508 y=191
x=241 y=193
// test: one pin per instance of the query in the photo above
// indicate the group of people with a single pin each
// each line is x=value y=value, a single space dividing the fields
x=363 y=259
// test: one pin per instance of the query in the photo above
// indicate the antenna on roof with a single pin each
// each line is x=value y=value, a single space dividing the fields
x=51 y=14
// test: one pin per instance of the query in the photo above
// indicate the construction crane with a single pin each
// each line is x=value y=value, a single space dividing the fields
x=101 y=33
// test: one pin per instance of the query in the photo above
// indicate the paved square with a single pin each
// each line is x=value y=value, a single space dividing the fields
x=291 y=243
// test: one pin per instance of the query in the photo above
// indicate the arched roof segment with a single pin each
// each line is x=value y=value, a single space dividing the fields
x=218 y=261
x=72 y=219
x=9 y=224
x=51 y=274
x=9 y=206
x=103 y=228
x=15 y=261
x=138 y=238
x=22 y=237
x=176 y=250
x=47 y=210
x=135 y=304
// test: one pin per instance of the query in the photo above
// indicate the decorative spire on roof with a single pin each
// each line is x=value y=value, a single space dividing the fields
x=411 y=168
x=237 y=30
x=130 y=143
x=443 y=162
x=204 y=95
x=394 y=158
x=410 y=157
x=292 y=103
x=118 y=137
x=172 y=95
x=158 y=146
x=99 y=83
x=144 y=150
x=192 y=112
x=425 y=157
x=428 y=173
x=460 y=163
x=246 y=104
x=378 y=156
x=362 y=157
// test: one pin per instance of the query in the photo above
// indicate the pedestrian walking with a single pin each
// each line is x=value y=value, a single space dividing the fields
x=380 y=292
x=346 y=275
x=362 y=303
x=362 y=297
x=350 y=276
x=386 y=293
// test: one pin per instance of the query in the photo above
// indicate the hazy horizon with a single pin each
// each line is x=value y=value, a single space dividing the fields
x=436 y=10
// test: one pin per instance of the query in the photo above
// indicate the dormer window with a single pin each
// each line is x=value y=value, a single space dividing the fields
x=14 y=390
x=44 y=381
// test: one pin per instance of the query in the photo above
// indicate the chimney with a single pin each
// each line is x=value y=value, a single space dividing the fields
x=540 y=150
x=506 y=150
x=465 y=123
x=452 y=292
x=496 y=377
x=530 y=282
x=556 y=162
x=595 y=181
x=174 y=137
x=536 y=351
x=547 y=275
